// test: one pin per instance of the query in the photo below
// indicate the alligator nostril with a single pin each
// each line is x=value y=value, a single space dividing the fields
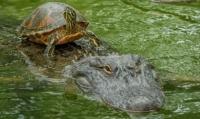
x=135 y=67
x=138 y=62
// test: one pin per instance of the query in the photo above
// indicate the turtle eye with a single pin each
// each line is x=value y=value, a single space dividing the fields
x=107 y=69
x=73 y=13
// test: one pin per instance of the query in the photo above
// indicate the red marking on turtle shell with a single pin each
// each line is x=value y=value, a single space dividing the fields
x=46 y=21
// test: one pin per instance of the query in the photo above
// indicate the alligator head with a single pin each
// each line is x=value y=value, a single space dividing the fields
x=126 y=82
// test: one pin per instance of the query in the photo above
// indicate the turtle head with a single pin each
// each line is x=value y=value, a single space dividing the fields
x=70 y=18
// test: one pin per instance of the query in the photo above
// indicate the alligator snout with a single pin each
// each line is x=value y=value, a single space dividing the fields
x=126 y=82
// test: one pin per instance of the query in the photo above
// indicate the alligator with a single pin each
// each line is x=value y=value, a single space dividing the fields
x=126 y=82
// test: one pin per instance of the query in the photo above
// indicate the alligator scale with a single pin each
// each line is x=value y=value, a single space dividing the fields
x=126 y=82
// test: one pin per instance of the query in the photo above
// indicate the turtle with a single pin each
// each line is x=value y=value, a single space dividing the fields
x=53 y=23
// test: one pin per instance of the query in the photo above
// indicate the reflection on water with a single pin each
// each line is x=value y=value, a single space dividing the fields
x=166 y=34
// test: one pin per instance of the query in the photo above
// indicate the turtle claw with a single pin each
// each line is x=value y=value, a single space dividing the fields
x=49 y=51
x=49 y=55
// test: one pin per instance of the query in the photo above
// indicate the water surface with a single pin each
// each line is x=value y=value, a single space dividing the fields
x=166 y=34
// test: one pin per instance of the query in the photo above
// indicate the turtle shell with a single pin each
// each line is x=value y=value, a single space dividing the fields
x=47 y=17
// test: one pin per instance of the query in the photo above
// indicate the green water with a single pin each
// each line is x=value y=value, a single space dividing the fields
x=166 y=34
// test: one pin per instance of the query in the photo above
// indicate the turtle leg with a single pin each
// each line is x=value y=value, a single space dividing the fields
x=71 y=37
x=49 y=51
x=93 y=38
x=95 y=45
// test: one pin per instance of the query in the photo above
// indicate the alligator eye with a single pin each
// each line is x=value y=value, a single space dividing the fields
x=107 y=69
